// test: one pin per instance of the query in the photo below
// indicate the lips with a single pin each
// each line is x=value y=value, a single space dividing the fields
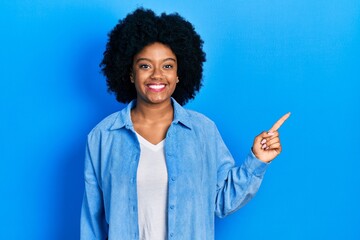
x=156 y=87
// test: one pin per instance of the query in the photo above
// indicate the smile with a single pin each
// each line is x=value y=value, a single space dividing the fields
x=156 y=87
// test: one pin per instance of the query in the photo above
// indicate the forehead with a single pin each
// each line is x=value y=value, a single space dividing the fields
x=155 y=51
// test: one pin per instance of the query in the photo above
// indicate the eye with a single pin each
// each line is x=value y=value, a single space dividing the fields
x=168 y=66
x=144 y=66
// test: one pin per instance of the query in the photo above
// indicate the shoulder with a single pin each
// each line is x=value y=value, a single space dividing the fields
x=200 y=121
x=203 y=130
x=105 y=125
x=199 y=117
x=191 y=118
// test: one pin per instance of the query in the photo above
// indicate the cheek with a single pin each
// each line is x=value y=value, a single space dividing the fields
x=172 y=76
x=139 y=77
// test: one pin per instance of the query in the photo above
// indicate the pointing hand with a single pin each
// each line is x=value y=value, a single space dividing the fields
x=267 y=145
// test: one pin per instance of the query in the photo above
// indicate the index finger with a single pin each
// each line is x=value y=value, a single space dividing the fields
x=280 y=122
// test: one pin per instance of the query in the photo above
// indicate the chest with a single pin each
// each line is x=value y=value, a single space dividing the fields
x=188 y=159
x=154 y=132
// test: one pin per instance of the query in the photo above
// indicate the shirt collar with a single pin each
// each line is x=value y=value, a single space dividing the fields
x=123 y=119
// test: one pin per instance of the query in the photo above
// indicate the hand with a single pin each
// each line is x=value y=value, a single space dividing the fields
x=267 y=145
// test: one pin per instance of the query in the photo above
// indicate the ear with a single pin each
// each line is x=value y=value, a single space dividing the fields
x=177 y=79
x=132 y=77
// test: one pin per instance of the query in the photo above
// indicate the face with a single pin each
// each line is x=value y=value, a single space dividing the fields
x=154 y=73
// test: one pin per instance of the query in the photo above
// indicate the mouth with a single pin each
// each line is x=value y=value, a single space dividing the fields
x=156 y=87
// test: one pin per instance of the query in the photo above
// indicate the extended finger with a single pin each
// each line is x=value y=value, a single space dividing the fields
x=280 y=122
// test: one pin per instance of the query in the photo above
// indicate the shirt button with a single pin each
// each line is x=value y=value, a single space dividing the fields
x=173 y=179
x=171 y=234
x=172 y=207
x=134 y=208
x=132 y=180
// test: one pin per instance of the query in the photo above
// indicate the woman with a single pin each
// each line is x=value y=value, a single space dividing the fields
x=156 y=170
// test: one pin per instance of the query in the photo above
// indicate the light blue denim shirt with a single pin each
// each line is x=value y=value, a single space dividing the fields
x=202 y=178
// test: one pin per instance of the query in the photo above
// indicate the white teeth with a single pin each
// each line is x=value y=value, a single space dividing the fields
x=157 y=86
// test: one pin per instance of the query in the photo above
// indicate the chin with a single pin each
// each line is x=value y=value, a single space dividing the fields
x=158 y=100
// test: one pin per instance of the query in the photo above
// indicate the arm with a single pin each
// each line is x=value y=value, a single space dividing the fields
x=235 y=185
x=93 y=224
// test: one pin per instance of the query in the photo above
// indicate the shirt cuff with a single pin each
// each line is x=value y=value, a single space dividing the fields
x=255 y=165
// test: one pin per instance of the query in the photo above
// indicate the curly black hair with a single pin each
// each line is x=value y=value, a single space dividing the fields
x=141 y=28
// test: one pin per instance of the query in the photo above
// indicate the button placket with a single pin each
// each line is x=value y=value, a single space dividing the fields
x=172 y=173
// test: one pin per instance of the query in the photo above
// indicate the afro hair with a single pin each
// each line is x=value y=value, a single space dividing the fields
x=141 y=28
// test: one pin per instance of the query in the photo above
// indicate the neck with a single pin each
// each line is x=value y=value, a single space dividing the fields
x=152 y=112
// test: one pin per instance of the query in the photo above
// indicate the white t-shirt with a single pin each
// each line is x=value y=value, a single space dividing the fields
x=152 y=188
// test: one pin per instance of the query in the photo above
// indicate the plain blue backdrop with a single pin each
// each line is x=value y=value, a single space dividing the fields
x=264 y=58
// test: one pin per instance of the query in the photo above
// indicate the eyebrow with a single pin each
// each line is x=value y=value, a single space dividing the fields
x=147 y=59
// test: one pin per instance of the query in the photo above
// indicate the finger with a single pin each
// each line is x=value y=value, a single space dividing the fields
x=269 y=137
x=272 y=141
x=261 y=136
x=275 y=146
x=273 y=135
x=280 y=122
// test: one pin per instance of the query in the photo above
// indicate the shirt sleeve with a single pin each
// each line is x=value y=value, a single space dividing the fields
x=236 y=185
x=92 y=221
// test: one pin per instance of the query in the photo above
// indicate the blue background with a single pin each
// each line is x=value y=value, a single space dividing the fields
x=264 y=58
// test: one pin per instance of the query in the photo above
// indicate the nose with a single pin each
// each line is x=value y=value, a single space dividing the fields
x=157 y=73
